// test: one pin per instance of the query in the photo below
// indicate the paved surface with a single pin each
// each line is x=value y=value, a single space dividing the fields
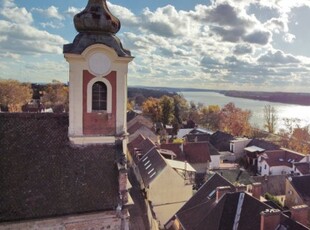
x=138 y=211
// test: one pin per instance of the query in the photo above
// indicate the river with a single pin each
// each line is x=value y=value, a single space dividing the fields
x=257 y=107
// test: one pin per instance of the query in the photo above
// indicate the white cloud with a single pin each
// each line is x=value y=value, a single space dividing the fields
x=20 y=37
x=15 y=14
x=73 y=11
x=126 y=17
x=50 y=12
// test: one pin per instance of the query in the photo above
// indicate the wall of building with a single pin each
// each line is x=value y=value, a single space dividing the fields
x=237 y=146
x=167 y=193
x=99 y=122
x=201 y=167
x=215 y=161
x=280 y=170
x=78 y=64
x=262 y=167
x=292 y=198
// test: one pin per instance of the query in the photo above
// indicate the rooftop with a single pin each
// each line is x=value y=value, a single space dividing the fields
x=42 y=175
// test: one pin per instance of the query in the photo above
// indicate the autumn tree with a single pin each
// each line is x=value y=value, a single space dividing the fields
x=56 y=96
x=270 y=118
x=235 y=121
x=151 y=107
x=300 y=140
x=14 y=94
x=211 y=116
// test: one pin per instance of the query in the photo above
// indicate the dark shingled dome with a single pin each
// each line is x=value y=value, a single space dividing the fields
x=96 y=17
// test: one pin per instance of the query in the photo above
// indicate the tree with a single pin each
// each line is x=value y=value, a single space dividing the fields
x=14 y=94
x=167 y=108
x=271 y=118
x=181 y=108
x=56 y=96
x=300 y=140
x=211 y=117
x=235 y=121
x=151 y=107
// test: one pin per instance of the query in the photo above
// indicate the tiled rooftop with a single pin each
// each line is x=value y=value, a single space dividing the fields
x=42 y=175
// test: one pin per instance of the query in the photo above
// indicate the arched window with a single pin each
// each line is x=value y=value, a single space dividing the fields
x=99 y=96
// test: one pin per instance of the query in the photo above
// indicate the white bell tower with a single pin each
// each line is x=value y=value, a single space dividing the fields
x=98 y=67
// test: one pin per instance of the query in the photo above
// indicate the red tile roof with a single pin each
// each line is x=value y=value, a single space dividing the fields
x=282 y=157
x=176 y=148
x=197 y=152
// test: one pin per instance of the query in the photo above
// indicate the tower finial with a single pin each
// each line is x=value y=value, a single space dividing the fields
x=96 y=18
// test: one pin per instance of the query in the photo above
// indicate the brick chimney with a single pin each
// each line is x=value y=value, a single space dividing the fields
x=300 y=213
x=257 y=190
x=270 y=219
x=241 y=188
x=221 y=191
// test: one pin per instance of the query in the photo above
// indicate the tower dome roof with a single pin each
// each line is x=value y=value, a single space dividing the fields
x=96 y=18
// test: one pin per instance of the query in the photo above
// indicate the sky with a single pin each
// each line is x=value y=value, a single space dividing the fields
x=260 y=45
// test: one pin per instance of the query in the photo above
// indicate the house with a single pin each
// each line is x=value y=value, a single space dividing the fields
x=70 y=172
x=165 y=189
x=297 y=191
x=201 y=155
x=274 y=185
x=237 y=146
x=216 y=206
x=141 y=125
x=221 y=141
x=255 y=148
x=277 y=162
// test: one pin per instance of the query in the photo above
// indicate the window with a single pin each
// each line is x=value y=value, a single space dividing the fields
x=99 y=96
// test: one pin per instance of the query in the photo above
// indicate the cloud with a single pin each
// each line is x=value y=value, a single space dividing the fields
x=18 y=15
x=71 y=11
x=50 y=12
x=278 y=57
x=258 y=37
x=126 y=17
x=241 y=49
x=19 y=37
x=168 y=22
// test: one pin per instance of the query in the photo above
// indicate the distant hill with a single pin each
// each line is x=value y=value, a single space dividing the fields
x=281 y=97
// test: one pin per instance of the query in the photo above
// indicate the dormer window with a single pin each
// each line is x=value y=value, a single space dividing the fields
x=99 y=96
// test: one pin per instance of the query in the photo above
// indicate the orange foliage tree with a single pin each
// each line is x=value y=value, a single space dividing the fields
x=235 y=121
x=14 y=94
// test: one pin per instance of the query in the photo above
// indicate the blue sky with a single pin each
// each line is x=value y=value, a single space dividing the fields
x=216 y=44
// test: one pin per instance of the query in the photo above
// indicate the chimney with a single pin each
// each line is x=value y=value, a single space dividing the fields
x=299 y=213
x=270 y=219
x=257 y=190
x=221 y=191
x=241 y=188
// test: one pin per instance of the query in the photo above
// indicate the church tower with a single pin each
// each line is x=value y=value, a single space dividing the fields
x=98 y=67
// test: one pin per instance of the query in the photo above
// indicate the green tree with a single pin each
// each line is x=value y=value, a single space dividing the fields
x=167 y=107
x=56 y=96
x=271 y=118
x=14 y=94
x=181 y=108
